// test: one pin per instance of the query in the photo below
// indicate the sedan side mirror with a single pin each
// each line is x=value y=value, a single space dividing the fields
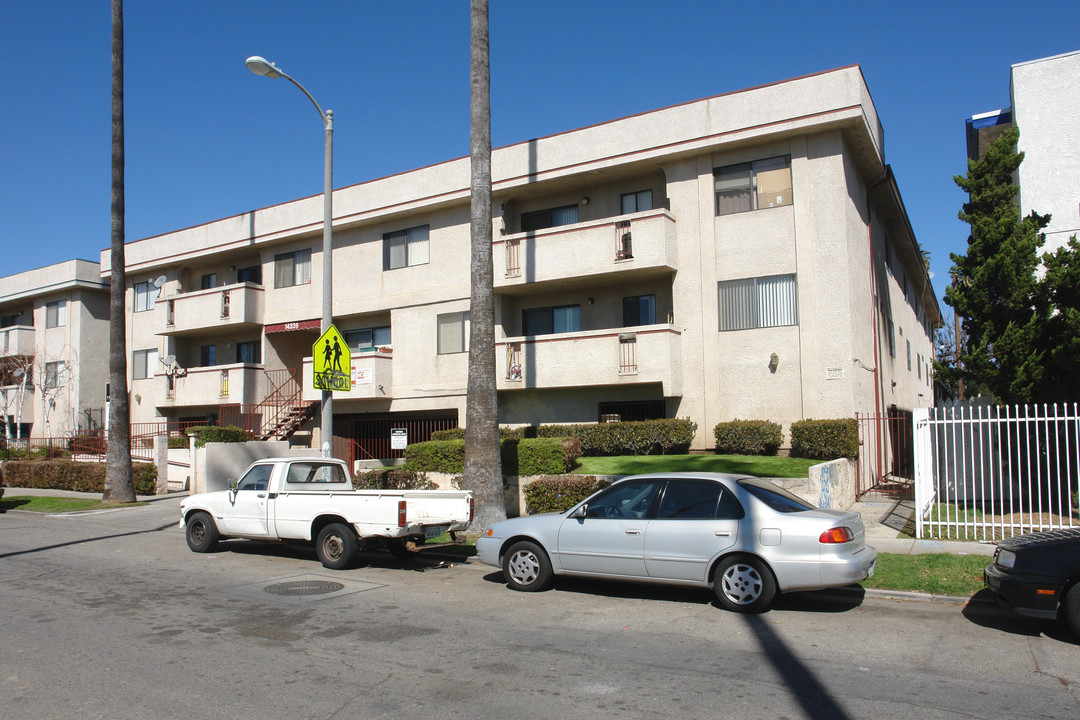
x=579 y=512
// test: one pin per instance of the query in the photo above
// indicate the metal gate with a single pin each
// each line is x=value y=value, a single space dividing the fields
x=372 y=435
x=886 y=465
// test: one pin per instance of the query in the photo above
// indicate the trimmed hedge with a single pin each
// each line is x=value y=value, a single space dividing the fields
x=505 y=433
x=747 y=437
x=825 y=439
x=211 y=433
x=531 y=456
x=392 y=479
x=445 y=456
x=636 y=437
x=558 y=493
x=71 y=475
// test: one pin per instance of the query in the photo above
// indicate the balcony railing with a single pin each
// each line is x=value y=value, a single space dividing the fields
x=17 y=340
x=645 y=354
x=240 y=304
x=643 y=242
x=372 y=377
x=216 y=385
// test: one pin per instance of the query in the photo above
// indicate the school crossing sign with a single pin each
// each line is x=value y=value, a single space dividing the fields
x=331 y=362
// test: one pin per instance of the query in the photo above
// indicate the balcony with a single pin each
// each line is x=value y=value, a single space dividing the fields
x=229 y=306
x=616 y=356
x=641 y=244
x=217 y=385
x=9 y=403
x=372 y=377
x=17 y=340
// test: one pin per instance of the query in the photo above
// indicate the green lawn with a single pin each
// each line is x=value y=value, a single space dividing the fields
x=933 y=573
x=47 y=504
x=777 y=467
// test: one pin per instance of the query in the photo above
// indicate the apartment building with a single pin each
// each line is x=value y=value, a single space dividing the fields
x=1045 y=100
x=745 y=256
x=54 y=350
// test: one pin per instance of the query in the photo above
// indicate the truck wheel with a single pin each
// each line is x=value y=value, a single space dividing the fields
x=336 y=546
x=202 y=533
x=526 y=567
x=743 y=583
x=1071 y=608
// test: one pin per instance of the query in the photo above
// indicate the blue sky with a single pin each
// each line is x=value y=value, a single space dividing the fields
x=206 y=139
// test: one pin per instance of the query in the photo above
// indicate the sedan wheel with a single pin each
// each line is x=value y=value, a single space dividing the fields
x=526 y=567
x=744 y=584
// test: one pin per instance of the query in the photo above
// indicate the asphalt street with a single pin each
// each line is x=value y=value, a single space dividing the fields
x=109 y=615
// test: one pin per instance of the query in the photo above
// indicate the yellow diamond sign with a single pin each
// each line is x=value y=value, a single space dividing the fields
x=331 y=362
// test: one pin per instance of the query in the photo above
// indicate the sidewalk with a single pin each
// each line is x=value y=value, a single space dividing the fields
x=884 y=519
x=10 y=492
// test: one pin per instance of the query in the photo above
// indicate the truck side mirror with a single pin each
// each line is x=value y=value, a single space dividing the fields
x=233 y=482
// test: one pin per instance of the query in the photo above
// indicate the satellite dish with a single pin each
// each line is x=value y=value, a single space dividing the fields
x=169 y=360
x=159 y=281
x=931 y=274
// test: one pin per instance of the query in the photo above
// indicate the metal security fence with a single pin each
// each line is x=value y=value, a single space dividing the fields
x=885 y=466
x=985 y=472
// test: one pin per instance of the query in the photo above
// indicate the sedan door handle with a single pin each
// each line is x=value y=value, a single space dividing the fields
x=722 y=533
x=632 y=532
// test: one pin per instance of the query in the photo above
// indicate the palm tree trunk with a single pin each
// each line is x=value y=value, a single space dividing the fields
x=483 y=467
x=119 y=481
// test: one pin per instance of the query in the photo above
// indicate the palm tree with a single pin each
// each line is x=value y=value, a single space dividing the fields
x=119 y=482
x=483 y=467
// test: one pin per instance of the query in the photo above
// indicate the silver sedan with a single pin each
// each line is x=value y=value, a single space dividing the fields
x=745 y=537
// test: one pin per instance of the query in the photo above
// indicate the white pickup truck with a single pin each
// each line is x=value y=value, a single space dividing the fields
x=306 y=499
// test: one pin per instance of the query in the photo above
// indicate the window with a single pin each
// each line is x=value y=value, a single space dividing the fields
x=546 y=321
x=292 y=269
x=251 y=274
x=639 y=310
x=453 y=332
x=758 y=303
x=207 y=355
x=311 y=472
x=248 y=352
x=208 y=282
x=775 y=497
x=551 y=217
x=698 y=500
x=631 y=499
x=146 y=294
x=143 y=364
x=892 y=339
x=405 y=248
x=636 y=201
x=919 y=364
x=368 y=338
x=56 y=314
x=54 y=374
x=257 y=478
x=753 y=185
x=10 y=320
x=908 y=355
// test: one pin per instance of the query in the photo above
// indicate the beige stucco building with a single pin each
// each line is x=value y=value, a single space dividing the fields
x=54 y=350
x=743 y=256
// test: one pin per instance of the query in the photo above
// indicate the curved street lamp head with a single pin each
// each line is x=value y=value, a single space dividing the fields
x=262 y=66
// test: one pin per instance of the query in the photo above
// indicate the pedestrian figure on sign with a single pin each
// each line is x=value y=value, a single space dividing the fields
x=327 y=353
x=337 y=355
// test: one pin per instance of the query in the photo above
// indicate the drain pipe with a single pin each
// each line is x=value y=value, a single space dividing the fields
x=874 y=313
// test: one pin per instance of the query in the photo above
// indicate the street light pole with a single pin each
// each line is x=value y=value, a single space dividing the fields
x=263 y=67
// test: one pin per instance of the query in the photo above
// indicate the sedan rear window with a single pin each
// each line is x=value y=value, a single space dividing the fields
x=775 y=497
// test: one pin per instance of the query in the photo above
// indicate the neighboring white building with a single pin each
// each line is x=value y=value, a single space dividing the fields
x=1045 y=97
x=54 y=350
x=743 y=256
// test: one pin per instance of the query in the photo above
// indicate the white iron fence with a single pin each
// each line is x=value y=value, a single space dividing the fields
x=984 y=472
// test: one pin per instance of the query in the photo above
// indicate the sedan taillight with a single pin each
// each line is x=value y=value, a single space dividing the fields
x=837 y=535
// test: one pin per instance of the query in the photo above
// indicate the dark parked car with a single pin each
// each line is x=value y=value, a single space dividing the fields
x=1038 y=575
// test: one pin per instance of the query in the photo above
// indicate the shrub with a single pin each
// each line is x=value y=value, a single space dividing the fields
x=747 y=437
x=537 y=456
x=393 y=479
x=71 y=475
x=211 y=433
x=637 y=437
x=825 y=439
x=445 y=456
x=557 y=493
x=505 y=433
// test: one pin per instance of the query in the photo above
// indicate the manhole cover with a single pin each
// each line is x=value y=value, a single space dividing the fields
x=304 y=587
